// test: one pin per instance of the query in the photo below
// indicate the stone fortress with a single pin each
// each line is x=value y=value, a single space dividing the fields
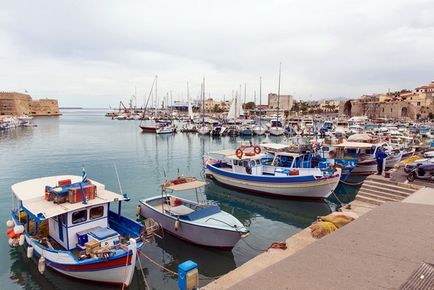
x=16 y=104
x=415 y=105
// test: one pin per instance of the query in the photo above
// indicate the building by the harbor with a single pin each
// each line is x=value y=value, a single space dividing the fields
x=16 y=104
x=285 y=102
x=415 y=105
x=212 y=105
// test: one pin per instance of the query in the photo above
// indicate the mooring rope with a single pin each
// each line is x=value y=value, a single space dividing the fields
x=157 y=264
x=143 y=273
x=352 y=184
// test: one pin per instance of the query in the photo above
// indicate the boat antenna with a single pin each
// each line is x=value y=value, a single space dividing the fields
x=278 y=93
x=119 y=181
x=260 y=102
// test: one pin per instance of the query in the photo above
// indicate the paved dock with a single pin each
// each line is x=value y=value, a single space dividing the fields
x=380 y=250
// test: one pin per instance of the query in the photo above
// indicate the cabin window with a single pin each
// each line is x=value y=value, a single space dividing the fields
x=79 y=216
x=96 y=212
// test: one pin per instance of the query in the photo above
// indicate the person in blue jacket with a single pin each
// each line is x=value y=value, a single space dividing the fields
x=380 y=155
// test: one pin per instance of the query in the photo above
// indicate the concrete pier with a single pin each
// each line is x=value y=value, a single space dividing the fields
x=378 y=250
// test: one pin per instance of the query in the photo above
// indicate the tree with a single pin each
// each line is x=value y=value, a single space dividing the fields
x=249 y=106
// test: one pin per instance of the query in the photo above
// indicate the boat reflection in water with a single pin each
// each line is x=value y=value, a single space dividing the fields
x=299 y=213
x=212 y=262
x=269 y=220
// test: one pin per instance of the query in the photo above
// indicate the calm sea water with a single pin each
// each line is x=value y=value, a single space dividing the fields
x=62 y=145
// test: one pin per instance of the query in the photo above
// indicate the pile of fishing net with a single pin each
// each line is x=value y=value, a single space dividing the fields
x=409 y=160
x=42 y=226
x=325 y=225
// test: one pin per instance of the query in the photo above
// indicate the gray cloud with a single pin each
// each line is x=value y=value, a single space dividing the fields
x=93 y=53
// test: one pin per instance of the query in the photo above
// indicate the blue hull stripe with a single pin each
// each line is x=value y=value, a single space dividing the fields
x=256 y=178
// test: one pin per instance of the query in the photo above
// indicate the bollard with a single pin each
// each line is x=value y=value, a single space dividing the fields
x=188 y=276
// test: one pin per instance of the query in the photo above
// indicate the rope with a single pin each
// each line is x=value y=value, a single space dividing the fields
x=158 y=265
x=125 y=271
x=253 y=248
x=352 y=184
x=143 y=273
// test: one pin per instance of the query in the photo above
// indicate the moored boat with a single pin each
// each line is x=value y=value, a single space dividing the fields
x=66 y=222
x=245 y=171
x=201 y=223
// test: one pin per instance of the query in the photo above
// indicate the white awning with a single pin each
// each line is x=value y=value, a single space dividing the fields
x=32 y=195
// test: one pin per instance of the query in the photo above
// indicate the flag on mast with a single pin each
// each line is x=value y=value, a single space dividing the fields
x=84 y=175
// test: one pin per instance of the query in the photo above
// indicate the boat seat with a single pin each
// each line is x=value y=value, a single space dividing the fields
x=180 y=210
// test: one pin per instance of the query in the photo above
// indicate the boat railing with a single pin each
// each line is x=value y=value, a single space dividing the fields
x=124 y=226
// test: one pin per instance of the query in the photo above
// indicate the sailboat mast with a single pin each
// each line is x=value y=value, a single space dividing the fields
x=245 y=94
x=260 y=101
x=278 y=93
x=156 y=96
x=203 y=102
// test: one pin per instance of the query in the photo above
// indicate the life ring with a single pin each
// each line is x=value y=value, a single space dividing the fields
x=257 y=149
x=239 y=153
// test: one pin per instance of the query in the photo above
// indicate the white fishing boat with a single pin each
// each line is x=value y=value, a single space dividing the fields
x=66 y=223
x=364 y=153
x=276 y=128
x=243 y=169
x=203 y=130
x=259 y=130
x=166 y=129
x=201 y=223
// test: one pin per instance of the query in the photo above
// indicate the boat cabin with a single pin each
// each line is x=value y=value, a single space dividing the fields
x=358 y=150
x=66 y=211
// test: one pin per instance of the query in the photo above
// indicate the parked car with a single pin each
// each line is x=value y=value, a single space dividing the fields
x=409 y=167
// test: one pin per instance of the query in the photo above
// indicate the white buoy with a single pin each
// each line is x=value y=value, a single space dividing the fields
x=29 y=252
x=138 y=210
x=41 y=265
x=177 y=224
x=21 y=240
x=19 y=229
x=11 y=242
x=10 y=223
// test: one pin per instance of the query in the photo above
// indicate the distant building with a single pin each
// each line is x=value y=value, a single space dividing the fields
x=183 y=106
x=329 y=105
x=417 y=104
x=13 y=103
x=285 y=102
x=211 y=105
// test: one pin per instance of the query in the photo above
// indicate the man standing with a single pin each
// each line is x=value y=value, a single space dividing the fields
x=380 y=155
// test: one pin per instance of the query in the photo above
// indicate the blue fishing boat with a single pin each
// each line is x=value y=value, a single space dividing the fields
x=67 y=224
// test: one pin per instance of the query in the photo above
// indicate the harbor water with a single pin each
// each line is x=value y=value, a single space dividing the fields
x=85 y=138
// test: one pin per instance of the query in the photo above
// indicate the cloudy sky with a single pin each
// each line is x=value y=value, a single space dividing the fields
x=94 y=53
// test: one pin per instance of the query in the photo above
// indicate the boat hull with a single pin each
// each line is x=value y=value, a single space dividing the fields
x=276 y=131
x=117 y=269
x=319 y=188
x=368 y=167
x=149 y=129
x=193 y=233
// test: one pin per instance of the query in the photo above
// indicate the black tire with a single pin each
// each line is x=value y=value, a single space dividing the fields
x=411 y=177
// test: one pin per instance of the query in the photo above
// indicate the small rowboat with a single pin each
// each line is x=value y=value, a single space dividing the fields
x=201 y=223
